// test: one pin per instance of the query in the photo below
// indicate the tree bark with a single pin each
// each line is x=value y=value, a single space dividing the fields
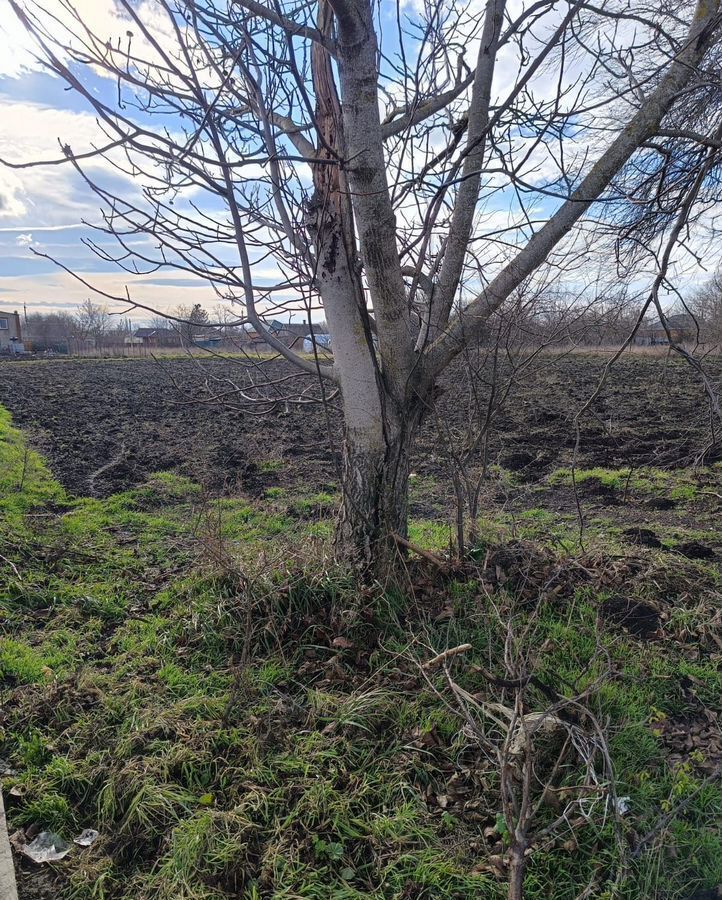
x=379 y=428
x=517 y=867
x=375 y=499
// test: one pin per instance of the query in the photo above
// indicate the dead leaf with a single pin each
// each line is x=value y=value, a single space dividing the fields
x=342 y=643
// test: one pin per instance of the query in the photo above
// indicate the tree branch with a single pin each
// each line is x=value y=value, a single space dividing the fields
x=288 y=25
x=469 y=323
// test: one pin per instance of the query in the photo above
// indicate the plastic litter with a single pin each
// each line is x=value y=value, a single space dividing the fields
x=87 y=837
x=46 y=847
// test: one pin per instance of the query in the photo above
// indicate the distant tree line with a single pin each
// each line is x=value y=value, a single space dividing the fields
x=90 y=325
x=557 y=317
x=706 y=307
x=93 y=326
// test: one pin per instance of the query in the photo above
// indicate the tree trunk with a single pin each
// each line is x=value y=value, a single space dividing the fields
x=375 y=500
x=517 y=868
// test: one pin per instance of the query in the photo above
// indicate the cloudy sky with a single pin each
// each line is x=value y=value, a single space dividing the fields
x=44 y=209
x=47 y=210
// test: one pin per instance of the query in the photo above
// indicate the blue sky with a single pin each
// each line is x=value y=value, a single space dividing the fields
x=43 y=209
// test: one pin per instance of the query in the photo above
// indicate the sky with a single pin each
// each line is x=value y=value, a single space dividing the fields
x=48 y=210
x=45 y=209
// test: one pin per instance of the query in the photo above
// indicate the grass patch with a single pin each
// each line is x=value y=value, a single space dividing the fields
x=678 y=485
x=240 y=729
x=25 y=480
x=315 y=506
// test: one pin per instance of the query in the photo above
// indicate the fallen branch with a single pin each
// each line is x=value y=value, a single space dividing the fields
x=12 y=566
x=424 y=554
x=446 y=655
x=115 y=461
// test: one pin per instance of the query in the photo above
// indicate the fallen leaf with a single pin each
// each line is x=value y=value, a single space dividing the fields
x=342 y=643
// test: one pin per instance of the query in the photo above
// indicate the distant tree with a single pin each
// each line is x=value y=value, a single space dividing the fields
x=405 y=177
x=50 y=330
x=158 y=322
x=228 y=327
x=190 y=321
x=199 y=319
x=92 y=322
x=706 y=306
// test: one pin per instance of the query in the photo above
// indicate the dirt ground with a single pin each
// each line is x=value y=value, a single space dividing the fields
x=106 y=425
x=136 y=416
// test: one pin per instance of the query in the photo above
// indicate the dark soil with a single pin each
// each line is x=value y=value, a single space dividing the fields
x=695 y=550
x=638 y=618
x=644 y=537
x=35 y=882
x=106 y=425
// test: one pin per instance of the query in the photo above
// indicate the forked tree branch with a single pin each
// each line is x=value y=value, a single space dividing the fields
x=288 y=25
x=469 y=323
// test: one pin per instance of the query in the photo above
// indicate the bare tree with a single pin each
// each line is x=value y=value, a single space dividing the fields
x=405 y=177
x=190 y=322
x=92 y=322
x=158 y=321
x=706 y=306
x=549 y=751
x=50 y=331
x=521 y=336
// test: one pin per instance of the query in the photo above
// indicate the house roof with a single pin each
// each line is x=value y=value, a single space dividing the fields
x=676 y=321
x=149 y=332
x=681 y=320
x=321 y=339
x=276 y=327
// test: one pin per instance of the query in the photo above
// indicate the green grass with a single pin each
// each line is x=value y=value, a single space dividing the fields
x=315 y=506
x=269 y=466
x=430 y=535
x=25 y=481
x=239 y=721
x=680 y=485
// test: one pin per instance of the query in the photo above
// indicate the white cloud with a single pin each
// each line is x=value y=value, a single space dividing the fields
x=47 y=195
x=58 y=291
x=102 y=25
x=52 y=198
x=11 y=229
x=103 y=17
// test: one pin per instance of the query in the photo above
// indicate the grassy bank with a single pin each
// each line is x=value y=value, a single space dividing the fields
x=194 y=679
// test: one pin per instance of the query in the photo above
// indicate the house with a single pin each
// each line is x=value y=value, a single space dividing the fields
x=253 y=337
x=289 y=332
x=155 y=337
x=292 y=334
x=11 y=336
x=682 y=328
x=321 y=341
x=208 y=341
